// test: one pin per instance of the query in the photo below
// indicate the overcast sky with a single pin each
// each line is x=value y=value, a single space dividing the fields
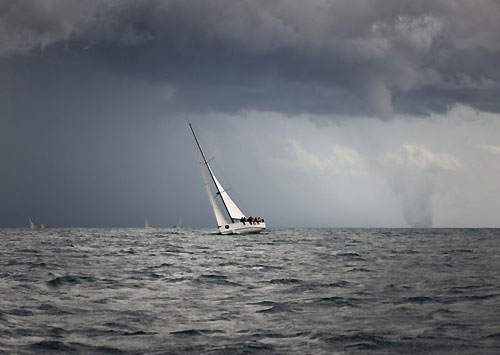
x=318 y=113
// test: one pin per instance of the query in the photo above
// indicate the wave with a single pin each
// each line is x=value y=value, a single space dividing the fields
x=248 y=347
x=447 y=300
x=338 y=301
x=274 y=335
x=285 y=281
x=493 y=336
x=178 y=279
x=277 y=307
x=420 y=300
x=51 y=346
x=51 y=309
x=36 y=265
x=21 y=312
x=70 y=280
x=192 y=332
x=360 y=340
x=212 y=279
x=263 y=267
x=349 y=256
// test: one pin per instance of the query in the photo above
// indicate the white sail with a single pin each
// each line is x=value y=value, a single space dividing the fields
x=32 y=225
x=232 y=209
x=146 y=224
x=221 y=221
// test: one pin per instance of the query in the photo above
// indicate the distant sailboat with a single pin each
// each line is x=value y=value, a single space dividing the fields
x=239 y=223
x=178 y=225
x=31 y=224
x=146 y=224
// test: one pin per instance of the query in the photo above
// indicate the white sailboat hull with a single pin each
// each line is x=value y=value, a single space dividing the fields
x=242 y=228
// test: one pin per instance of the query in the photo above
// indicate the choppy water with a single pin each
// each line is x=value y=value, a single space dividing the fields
x=325 y=291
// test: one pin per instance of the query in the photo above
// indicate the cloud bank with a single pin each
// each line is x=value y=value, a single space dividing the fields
x=365 y=58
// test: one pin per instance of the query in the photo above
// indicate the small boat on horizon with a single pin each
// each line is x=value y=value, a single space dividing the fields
x=31 y=224
x=178 y=225
x=238 y=222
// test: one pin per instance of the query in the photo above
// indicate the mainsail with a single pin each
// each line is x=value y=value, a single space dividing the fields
x=32 y=225
x=221 y=221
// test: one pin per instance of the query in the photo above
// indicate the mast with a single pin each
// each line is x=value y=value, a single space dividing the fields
x=219 y=192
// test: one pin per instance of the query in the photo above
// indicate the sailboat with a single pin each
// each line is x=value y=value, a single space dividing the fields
x=32 y=225
x=238 y=223
x=178 y=225
x=146 y=224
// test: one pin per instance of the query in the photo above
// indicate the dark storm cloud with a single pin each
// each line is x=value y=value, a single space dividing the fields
x=94 y=95
x=362 y=58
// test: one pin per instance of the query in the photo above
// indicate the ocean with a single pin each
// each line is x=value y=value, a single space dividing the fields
x=302 y=291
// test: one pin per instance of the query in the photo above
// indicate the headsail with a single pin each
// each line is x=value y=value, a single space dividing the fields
x=221 y=221
x=232 y=209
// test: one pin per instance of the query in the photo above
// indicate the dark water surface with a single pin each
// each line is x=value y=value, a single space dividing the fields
x=320 y=291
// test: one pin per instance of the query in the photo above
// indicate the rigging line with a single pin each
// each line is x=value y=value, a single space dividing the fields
x=217 y=193
x=220 y=172
x=225 y=182
x=208 y=168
